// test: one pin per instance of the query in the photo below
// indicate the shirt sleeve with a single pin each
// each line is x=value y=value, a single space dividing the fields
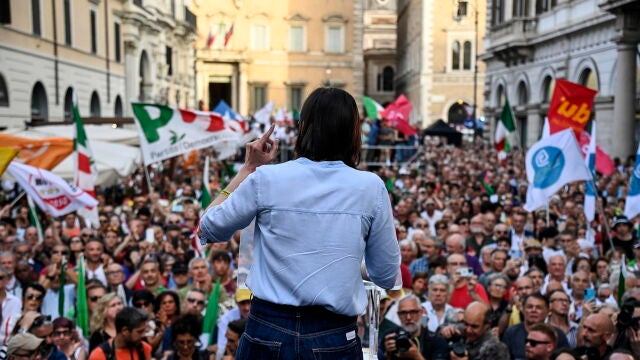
x=220 y=222
x=382 y=253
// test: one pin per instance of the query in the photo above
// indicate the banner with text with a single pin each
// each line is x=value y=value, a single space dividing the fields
x=166 y=132
x=570 y=106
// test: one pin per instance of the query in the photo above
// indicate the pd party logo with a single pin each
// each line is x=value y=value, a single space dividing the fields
x=548 y=163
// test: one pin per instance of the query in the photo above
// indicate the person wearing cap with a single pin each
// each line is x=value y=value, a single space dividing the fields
x=624 y=238
x=243 y=302
x=309 y=244
x=180 y=276
x=26 y=346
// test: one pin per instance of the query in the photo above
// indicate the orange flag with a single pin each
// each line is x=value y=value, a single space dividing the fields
x=41 y=153
x=6 y=155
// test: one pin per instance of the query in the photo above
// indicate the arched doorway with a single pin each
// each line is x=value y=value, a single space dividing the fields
x=145 y=77
x=39 y=103
x=95 y=105
x=68 y=103
x=117 y=110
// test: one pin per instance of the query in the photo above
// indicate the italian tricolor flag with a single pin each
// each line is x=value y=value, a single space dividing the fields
x=504 y=129
x=85 y=171
x=372 y=108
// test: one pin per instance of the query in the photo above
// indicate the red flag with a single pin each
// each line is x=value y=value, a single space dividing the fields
x=398 y=114
x=570 y=106
x=604 y=164
x=227 y=35
x=210 y=38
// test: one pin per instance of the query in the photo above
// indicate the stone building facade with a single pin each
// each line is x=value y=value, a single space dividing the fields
x=530 y=44
x=109 y=52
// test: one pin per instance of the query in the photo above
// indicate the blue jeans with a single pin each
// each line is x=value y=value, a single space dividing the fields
x=286 y=332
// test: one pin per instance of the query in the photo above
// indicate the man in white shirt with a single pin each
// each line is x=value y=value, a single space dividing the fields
x=93 y=261
x=11 y=304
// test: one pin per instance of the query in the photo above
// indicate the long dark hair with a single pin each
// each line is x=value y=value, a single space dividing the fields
x=330 y=127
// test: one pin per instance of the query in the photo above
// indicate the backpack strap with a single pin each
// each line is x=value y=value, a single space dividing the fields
x=107 y=350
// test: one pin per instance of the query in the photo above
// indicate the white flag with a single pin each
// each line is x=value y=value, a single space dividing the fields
x=49 y=191
x=167 y=132
x=590 y=191
x=546 y=131
x=551 y=163
x=632 y=204
x=264 y=115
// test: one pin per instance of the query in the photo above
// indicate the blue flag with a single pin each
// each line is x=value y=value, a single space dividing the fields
x=226 y=111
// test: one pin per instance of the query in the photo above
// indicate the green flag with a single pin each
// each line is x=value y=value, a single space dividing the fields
x=205 y=198
x=63 y=280
x=211 y=315
x=33 y=218
x=372 y=108
x=504 y=128
x=82 y=310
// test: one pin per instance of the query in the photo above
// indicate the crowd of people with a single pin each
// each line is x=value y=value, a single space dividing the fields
x=481 y=277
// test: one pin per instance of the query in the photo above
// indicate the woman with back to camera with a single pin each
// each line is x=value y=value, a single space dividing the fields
x=316 y=218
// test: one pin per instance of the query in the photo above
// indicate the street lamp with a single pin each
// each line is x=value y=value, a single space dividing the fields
x=461 y=10
x=327 y=79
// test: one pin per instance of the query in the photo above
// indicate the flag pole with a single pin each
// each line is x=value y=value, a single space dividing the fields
x=13 y=203
x=146 y=173
x=547 y=212
x=601 y=211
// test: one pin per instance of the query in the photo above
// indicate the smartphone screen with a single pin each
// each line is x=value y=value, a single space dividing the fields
x=589 y=294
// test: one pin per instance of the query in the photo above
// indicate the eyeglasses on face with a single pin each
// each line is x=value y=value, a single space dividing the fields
x=113 y=272
x=34 y=297
x=195 y=301
x=61 y=333
x=94 y=298
x=535 y=343
x=409 y=312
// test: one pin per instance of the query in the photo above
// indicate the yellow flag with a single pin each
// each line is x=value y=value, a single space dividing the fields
x=41 y=153
x=6 y=155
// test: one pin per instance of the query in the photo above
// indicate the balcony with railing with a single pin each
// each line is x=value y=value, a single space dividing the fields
x=510 y=41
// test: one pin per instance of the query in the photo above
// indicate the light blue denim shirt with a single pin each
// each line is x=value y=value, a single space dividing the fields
x=315 y=221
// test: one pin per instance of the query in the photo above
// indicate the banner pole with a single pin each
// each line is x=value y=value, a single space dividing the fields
x=601 y=211
x=146 y=173
x=15 y=201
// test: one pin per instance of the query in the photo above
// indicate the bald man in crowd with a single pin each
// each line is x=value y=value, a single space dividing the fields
x=596 y=331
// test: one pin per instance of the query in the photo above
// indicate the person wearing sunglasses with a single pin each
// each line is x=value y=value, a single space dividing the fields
x=66 y=339
x=194 y=303
x=185 y=338
x=535 y=310
x=540 y=342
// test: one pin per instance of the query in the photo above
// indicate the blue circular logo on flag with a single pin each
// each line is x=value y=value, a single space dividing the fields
x=548 y=163
x=634 y=189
